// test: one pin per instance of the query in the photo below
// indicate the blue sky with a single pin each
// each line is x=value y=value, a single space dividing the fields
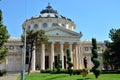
x=94 y=18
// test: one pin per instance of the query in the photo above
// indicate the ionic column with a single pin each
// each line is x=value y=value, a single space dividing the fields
x=62 y=54
x=33 y=59
x=78 y=57
x=43 y=57
x=71 y=54
x=52 y=55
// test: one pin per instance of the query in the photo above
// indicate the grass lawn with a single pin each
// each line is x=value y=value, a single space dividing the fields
x=44 y=76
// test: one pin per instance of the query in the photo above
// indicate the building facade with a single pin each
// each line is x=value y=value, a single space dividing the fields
x=62 y=35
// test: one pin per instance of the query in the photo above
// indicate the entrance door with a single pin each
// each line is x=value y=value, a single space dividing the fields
x=46 y=62
x=65 y=62
x=55 y=61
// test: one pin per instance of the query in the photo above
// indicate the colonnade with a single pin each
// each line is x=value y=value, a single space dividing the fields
x=42 y=63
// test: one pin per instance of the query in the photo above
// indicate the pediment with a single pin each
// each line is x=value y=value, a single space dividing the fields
x=59 y=31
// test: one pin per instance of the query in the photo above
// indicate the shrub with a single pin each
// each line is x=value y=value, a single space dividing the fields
x=118 y=71
x=96 y=70
x=59 y=64
x=84 y=72
x=4 y=71
x=45 y=71
x=70 y=64
x=64 y=71
x=77 y=72
x=110 y=71
x=61 y=71
x=1 y=74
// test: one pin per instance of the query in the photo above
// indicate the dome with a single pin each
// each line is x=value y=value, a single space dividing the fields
x=13 y=39
x=48 y=18
x=49 y=12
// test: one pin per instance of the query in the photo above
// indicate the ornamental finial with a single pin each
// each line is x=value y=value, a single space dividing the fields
x=48 y=3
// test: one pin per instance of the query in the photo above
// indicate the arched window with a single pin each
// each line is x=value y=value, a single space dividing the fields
x=63 y=25
x=54 y=24
x=44 y=25
x=35 y=26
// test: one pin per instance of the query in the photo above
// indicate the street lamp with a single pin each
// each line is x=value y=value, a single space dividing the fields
x=24 y=57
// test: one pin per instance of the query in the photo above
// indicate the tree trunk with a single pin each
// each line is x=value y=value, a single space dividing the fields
x=29 y=65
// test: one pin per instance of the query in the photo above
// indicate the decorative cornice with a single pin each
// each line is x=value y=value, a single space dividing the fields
x=64 y=29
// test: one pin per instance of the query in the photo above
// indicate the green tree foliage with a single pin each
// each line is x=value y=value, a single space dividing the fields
x=59 y=66
x=34 y=38
x=3 y=39
x=108 y=59
x=70 y=64
x=114 y=47
x=94 y=59
x=54 y=67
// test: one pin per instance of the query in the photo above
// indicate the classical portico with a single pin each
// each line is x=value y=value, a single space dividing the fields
x=59 y=42
x=53 y=54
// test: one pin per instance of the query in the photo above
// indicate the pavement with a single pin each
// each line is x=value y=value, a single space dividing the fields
x=10 y=76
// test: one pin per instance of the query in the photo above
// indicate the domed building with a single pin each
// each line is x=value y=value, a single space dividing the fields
x=62 y=35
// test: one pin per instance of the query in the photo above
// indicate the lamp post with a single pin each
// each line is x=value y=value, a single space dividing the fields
x=24 y=57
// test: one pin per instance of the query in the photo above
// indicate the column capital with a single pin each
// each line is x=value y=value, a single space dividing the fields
x=78 y=43
x=62 y=42
x=52 y=42
x=70 y=43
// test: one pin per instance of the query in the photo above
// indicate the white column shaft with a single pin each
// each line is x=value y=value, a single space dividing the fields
x=52 y=55
x=62 y=55
x=77 y=56
x=43 y=57
x=33 y=59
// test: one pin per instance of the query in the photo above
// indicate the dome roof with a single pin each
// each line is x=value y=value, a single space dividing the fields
x=49 y=12
x=13 y=39
x=49 y=9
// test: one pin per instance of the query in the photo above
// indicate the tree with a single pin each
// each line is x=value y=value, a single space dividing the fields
x=108 y=59
x=59 y=62
x=70 y=64
x=3 y=39
x=114 y=47
x=34 y=38
x=94 y=59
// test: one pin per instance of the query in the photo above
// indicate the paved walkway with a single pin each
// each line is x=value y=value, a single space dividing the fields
x=10 y=76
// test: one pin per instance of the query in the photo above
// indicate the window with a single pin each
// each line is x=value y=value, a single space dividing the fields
x=11 y=47
x=54 y=24
x=28 y=27
x=86 y=49
x=35 y=26
x=18 y=47
x=99 y=48
x=69 y=27
x=57 y=33
x=63 y=25
x=44 y=25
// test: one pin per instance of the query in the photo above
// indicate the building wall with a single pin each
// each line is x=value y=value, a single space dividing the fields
x=86 y=47
x=14 y=58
